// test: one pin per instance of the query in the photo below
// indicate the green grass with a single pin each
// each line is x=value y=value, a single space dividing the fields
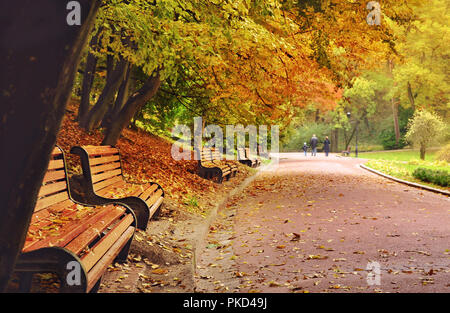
x=402 y=163
x=399 y=155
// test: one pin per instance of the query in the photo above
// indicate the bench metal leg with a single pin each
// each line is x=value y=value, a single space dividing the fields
x=122 y=257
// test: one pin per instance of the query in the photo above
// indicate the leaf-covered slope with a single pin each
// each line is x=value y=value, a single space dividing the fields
x=145 y=157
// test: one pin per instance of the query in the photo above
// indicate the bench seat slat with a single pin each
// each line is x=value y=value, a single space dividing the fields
x=150 y=189
x=155 y=206
x=67 y=231
x=104 y=167
x=106 y=242
x=52 y=188
x=108 y=182
x=97 y=271
x=51 y=200
x=103 y=160
x=100 y=150
x=103 y=176
x=55 y=164
x=94 y=227
x=38 y=225
x=154 y=198
x=113 y=188
x=53 y=175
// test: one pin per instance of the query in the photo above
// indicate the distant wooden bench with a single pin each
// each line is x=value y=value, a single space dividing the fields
x=252 y=157
x=104 y=183
x=209 y=169
x=347 y=152
x=62 y=231
x=242 y=157
x=218 y=158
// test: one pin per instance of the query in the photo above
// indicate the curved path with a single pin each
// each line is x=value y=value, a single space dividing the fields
x=317 y=224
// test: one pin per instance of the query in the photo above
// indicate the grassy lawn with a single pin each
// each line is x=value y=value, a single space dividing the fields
x=402 y=163
x=400 y=155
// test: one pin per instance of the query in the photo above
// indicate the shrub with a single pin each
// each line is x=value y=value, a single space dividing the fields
x=387 y=138
x=438 y=177
x=444 y=153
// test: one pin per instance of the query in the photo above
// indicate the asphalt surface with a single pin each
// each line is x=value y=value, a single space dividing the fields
x=323 y=224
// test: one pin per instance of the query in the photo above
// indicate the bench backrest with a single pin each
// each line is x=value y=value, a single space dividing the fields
x=54 y=189
x=216 y=155
x=206 y=154
x=104 y=164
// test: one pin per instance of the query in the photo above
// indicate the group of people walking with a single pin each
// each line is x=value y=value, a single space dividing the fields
x=313 y=144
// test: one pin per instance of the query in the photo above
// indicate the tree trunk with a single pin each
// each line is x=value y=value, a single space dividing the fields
x=40 y=54
x=411 y=97
x=396 y=125
x=122 y=96
x=133 y=104
x=98 y=111
x=422 y=152
x=88 y=79
x=395 y=109
x=334 y=140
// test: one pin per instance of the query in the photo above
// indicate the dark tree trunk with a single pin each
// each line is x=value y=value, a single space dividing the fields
x=133 y=104
x=411 y=97
x=40 y=54
x=395 y=109
x=98 y=111
x=334 y=140
x=122 y=96
x=395 y=116
x=88 y=79
x=422 y=152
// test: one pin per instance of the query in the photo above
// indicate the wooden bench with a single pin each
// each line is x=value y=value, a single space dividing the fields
x=252 y=157
x=242 y=157
x=218 y=158
x=64 y=235
x=347 y=152
x=104 y=183
x=208 y=169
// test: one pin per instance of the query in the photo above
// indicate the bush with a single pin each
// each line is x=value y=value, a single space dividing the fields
x=444 y=153
x=438 y=177
x=387 y=138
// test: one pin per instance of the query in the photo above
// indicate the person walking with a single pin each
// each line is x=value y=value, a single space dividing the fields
x=326 y=146
x=313 y=143
x=305 y=148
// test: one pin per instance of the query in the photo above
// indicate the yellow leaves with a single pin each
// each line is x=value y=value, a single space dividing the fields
x=160 y=271
x=317 y=257
x=325 y=248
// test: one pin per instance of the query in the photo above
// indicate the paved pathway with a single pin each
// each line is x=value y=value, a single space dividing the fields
x=314 y=224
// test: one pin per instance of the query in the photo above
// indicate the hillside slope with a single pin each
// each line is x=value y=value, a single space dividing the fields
x=145 y=157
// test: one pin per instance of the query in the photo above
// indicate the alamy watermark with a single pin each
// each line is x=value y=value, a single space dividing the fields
x=74 y=15
x=374 y=16
x=73 y=278
x=235 y=139
x=374 y=274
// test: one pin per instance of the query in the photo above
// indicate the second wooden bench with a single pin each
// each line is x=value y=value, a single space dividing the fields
x=104 y=183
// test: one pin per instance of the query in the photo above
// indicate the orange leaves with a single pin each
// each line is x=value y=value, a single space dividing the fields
x=145 y=158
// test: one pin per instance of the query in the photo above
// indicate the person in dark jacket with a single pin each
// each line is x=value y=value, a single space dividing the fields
x=313 y=143
x=305 y=148
x=326 y=146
